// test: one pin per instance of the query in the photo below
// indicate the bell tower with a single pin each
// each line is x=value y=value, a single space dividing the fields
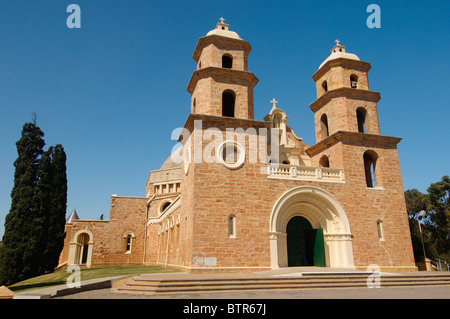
x=222 y=85
x=346 y=123
x=344 y=101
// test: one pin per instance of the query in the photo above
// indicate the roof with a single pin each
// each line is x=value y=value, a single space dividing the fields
x=73 y=216
x=338 y=51
x=222 y=30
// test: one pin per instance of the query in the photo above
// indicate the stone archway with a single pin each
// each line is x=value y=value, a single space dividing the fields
x=323 y=212
x=80 y=252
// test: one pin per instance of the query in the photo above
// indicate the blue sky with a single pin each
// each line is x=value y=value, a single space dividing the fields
x=112 y=91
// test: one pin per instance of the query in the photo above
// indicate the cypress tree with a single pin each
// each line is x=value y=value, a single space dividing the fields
x=34 y=228
x=19 y=257
x=55 y=215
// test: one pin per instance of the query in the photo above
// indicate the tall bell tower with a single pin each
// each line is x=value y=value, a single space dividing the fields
x=222 y=84
x=344 y=101
x=346 y=123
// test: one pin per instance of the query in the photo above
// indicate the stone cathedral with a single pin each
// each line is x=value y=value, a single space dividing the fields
x=219 y=206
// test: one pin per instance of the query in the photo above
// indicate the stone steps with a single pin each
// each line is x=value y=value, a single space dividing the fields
x=152 y=285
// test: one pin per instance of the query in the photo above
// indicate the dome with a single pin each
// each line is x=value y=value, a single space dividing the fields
x=222 y=30
x=337 y=52
x=169 y=163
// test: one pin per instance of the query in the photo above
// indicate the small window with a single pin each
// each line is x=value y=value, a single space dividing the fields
x=370 y=159
x=163 y=206
x=353 y=81
x=227 y=61
x=361 y=118
x=232 y=226
x=128 y=249
x=380 y=230
x=228 y=100
x=324 y=126
x=324 y=162
x=325 y=86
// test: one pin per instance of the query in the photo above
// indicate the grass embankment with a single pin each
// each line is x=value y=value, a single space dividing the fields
x=60 y=277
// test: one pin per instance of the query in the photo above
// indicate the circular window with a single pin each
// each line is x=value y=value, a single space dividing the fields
x=231 y=154
x=163 y=206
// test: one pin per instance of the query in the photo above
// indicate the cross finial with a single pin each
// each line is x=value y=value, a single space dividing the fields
x=222 y=20
x=274 y=102
x=337 y=42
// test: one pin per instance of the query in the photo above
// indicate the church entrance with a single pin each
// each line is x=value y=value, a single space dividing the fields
x=305 y=246
x=308 y=227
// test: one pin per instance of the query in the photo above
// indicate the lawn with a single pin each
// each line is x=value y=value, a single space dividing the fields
x=60 y=277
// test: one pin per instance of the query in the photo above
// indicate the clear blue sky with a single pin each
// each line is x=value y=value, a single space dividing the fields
x=112 y=92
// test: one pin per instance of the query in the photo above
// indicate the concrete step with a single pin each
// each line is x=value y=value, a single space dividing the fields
x=142 y=284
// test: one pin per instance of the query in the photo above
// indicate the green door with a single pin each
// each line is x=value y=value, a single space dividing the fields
x=305 y=246
x=319 y=249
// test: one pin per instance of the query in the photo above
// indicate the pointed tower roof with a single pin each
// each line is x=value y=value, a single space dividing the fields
x=73 y=216
x=338 y=51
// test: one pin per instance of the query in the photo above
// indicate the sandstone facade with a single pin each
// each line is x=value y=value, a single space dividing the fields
x=206 y=211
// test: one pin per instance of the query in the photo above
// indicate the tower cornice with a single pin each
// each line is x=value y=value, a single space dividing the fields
x=353 y=138
x=216 y=72
x=342 y=62
x=217 y=39
x=350 y=93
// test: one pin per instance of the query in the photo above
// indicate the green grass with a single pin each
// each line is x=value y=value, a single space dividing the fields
x=60 y=277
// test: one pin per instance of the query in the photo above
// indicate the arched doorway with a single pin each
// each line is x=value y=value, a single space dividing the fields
x=83 y=248
x=322 y=217
x=304 y=243
x=80 y=252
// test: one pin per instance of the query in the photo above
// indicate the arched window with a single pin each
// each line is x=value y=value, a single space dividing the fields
x=370 y=160
x=361 y=118
x=128 y=247
x=324 y=126
x=324 y=162
x=228 y=100
x=227 y=61
x=380 y=230
x=232 y=226
x=163 y=206
x=325 y=86
x=194 y=105
x=353 y=81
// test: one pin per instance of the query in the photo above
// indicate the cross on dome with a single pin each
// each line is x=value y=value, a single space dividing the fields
x=338 y=47
x=222 y=20
x=274 y=102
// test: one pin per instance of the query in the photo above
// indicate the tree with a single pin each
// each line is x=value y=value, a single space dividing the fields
x=55 y=215
x=34 y=228
x=436 y=225
x=439 y=208
x=19 y=254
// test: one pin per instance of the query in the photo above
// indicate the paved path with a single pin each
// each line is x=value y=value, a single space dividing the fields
x=99 y=289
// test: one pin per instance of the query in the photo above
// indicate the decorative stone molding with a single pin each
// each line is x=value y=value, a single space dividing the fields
x=323 y=211
x=168 y=212
x=306 y=173
x=240 y=160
